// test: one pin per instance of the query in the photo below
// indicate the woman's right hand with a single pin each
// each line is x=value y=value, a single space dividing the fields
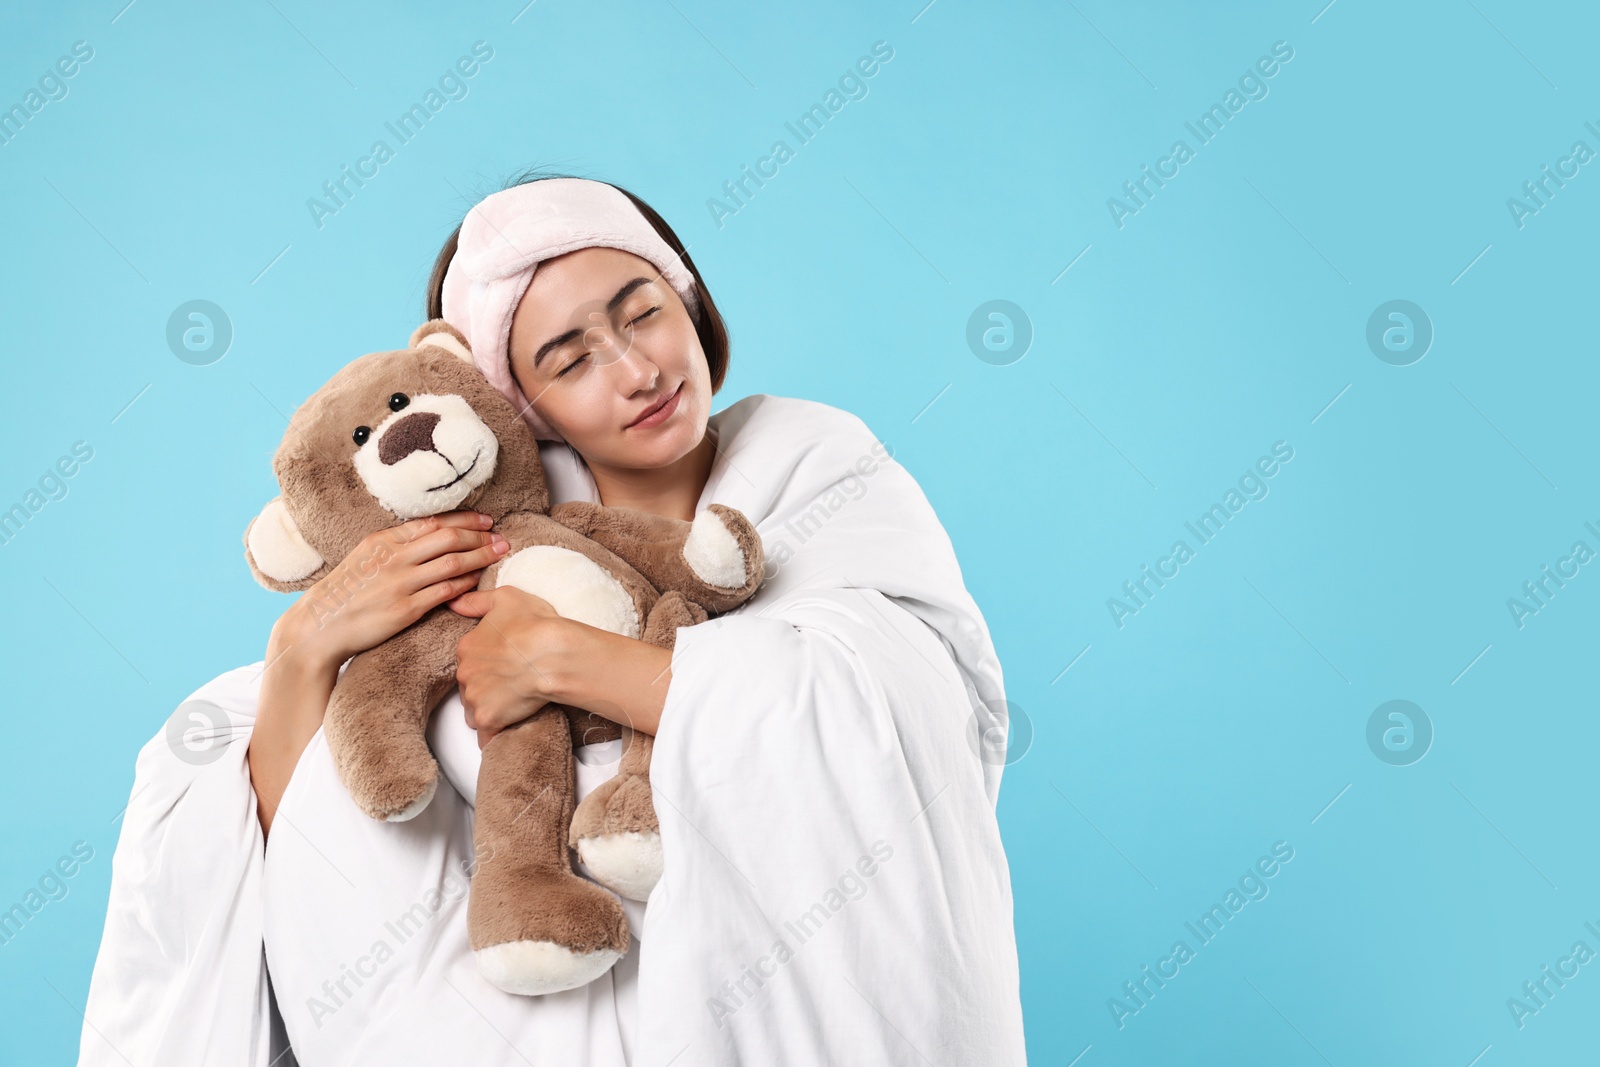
x=387 y=582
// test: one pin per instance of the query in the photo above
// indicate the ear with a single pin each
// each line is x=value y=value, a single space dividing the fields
x=437 y=333
x=278 y=556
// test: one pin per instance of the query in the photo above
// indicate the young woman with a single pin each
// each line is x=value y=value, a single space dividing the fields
x=619 y=369
x=826 y=763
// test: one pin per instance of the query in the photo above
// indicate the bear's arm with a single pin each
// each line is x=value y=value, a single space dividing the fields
x=716 y=561
x=580 y=577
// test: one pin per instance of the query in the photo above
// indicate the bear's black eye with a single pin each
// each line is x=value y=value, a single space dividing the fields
x=398 y=401
x=361 y=434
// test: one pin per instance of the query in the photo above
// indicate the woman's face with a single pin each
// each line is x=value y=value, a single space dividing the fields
x=600 y=338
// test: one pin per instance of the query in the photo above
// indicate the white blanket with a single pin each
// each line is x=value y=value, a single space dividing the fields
x=825 y=773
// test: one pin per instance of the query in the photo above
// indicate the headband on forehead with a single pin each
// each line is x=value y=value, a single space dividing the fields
x=505 y=238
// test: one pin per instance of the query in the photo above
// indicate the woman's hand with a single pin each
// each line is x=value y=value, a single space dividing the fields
x=515 y=661
x=522 y=656
x=390 y=580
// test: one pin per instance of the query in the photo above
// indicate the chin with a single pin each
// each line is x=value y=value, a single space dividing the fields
x=672 y=443
x=667 y=445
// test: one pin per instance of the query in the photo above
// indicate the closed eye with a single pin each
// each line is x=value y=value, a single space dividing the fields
x=562 y=372
x=581 y=359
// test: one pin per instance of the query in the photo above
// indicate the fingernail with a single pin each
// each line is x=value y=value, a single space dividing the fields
x=500 y=544
x=485 y=521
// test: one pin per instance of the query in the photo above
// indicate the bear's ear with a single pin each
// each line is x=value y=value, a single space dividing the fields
x=278 y=556
x=437 y=333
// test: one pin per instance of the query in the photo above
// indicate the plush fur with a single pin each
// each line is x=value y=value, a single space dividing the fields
x=419 y=431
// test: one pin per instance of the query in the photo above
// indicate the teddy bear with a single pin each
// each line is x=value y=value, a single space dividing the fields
x=401 y=434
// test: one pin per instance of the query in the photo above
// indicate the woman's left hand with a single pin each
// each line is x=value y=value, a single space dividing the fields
x=508 y=665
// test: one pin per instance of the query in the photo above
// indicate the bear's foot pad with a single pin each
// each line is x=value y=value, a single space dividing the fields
x=532 y=968
x=628 y=864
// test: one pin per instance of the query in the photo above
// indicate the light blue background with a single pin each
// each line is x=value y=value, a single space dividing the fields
x=1223 y=317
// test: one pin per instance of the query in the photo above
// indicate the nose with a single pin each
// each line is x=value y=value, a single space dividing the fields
x=414 y=433
x=642 y=370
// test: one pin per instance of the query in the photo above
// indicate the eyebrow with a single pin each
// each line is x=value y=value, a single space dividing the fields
x=573 y=334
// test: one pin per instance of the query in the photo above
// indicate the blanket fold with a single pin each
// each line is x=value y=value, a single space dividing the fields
x=835 y=889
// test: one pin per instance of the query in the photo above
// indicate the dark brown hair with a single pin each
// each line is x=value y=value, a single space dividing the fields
x=708 y=323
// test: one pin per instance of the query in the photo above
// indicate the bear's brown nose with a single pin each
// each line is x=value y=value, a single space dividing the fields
x=413 y=433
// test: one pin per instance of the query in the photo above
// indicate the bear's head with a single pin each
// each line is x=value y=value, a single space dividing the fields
x=393 y=436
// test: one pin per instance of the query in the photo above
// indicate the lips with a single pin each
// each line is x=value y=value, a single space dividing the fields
x=655 y=407
x=460 y=476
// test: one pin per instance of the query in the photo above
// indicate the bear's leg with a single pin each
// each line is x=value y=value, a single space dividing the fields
x=534 y=925
x=615 y=829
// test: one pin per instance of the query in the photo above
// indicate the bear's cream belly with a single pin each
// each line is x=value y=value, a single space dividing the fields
x=575 y=585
